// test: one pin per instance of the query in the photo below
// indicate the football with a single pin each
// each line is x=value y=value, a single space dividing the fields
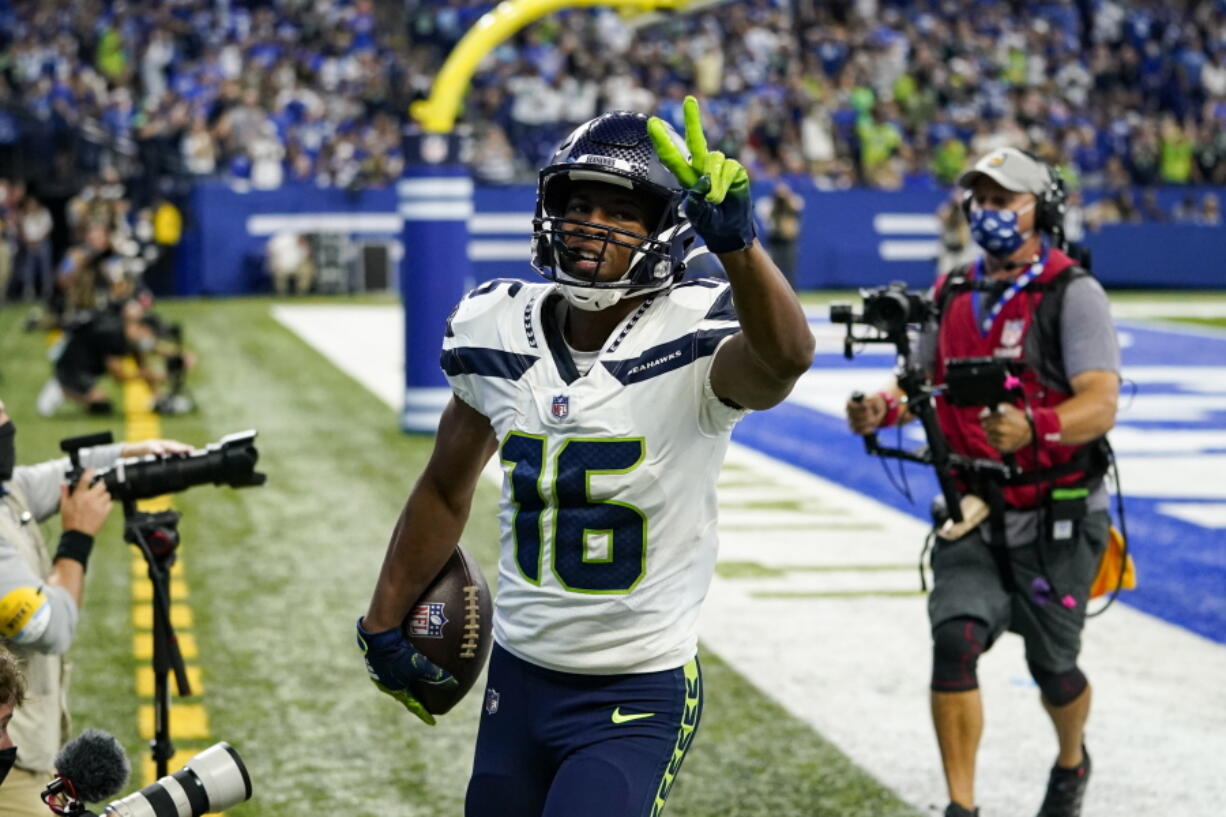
x=450 y=624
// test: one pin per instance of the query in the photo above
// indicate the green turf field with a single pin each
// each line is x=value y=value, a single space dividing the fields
x=1217 y=322
x=277 y=575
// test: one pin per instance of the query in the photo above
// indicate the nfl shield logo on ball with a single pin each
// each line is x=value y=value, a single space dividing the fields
x=491 y=701
x=561 y=406
x=427 y=620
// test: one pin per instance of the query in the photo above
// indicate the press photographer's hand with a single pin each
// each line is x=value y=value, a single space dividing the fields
x=717 y=199
x=865 y=414
x=86 y=507
x=394 y=664
x=159 y=448
x=1007 y=428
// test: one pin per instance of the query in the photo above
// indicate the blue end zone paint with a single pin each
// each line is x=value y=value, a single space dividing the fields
x=1181 y=566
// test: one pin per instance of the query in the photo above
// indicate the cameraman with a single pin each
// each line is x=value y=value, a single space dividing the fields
x=1028 y=567
x=41 y=593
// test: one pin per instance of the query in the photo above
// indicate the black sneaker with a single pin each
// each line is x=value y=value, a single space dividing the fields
x=955 y=810
x=1066 y=788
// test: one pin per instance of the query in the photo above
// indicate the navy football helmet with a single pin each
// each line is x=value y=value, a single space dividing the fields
x=614 y=149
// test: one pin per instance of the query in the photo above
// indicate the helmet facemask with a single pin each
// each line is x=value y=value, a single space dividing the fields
x=611 y=150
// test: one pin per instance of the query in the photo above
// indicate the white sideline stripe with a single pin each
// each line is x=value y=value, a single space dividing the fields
x=500 y=223
x=906 y=224
x=437 y=188
x=436 y=210
x=1205 y=514
x=903 y=250
x=499 y=250
x=430 y=398
x=270 y=223
x=351 y=339
x=856 y=668
x=1170 y=309
x=422 y=421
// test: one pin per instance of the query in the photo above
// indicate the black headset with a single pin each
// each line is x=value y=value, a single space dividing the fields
x=1050 y=205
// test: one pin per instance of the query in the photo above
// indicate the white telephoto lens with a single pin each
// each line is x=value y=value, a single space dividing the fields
x=223 y=776
x=212 y=781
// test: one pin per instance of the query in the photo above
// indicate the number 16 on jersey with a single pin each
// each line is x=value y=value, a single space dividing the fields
x=578 y=521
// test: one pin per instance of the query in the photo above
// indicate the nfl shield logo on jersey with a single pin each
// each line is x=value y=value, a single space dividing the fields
x=491 y=701
x=1011 y=333
x=561 y=406
x=427 y=620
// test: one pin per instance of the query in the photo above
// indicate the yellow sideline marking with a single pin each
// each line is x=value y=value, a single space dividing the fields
x=188 y=721
x=149 y=772
x=141 y=570
x=144 y=681
x=142 y=645
x=144 y=591
x=180 y=616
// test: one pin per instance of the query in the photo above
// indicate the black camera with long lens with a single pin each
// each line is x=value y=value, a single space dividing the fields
x=229 y=461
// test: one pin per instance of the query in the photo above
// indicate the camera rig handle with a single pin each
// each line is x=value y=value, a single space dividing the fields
x=892 y=328
x=870 y=439
x=919 y=403
x=72 y=446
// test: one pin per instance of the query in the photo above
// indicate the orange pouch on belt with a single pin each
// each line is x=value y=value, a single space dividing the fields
x=1109 y=567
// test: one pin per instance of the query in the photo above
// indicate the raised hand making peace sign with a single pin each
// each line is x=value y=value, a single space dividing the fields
x=717 y=198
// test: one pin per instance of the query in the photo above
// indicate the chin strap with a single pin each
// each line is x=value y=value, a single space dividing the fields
x=591 y=299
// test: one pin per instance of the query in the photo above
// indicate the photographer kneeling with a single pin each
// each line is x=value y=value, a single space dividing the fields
x=41 y=594
x=96 y=347
x=1027 y=554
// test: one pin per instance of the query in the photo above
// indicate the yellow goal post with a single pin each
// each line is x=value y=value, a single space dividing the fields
x=438 y=113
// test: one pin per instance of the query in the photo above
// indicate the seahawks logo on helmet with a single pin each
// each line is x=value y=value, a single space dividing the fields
x=613 y=148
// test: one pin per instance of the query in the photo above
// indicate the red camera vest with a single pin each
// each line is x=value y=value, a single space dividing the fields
x=961 y=335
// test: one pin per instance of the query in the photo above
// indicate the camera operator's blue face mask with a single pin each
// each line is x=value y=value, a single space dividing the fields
x=997 y=231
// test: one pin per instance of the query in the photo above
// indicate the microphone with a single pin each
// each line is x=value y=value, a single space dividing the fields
x=91 y=767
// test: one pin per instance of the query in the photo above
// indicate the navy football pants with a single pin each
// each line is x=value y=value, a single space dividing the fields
x=555 y=744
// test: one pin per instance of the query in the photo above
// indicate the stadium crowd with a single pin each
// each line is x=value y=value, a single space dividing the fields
x=259 y=92
x=885 y=93
x=881 y=93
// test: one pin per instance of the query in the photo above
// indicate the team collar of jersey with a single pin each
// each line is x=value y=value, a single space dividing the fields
x=552 y=330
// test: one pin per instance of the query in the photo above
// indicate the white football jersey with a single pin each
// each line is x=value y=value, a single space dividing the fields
x=608 y=508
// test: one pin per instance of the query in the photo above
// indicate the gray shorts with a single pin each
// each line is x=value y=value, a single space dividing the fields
x=967 y=584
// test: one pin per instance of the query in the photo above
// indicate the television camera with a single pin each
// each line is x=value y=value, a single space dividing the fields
x=893 y=313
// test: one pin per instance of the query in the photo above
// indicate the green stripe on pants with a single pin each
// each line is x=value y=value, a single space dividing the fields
x=689 y=723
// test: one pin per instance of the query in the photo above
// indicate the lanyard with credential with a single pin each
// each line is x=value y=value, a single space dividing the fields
x=1019 y=283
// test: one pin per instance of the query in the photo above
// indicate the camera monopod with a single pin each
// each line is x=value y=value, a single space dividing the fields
x=156 y=536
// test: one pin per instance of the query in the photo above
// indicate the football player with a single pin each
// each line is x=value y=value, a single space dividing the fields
x=609 y=394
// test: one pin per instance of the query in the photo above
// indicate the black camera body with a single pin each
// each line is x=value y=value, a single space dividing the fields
x=981 y=381
x=229 y=461
x=889 y=309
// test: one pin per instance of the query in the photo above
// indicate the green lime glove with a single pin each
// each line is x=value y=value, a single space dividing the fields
x=717 y=199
